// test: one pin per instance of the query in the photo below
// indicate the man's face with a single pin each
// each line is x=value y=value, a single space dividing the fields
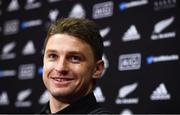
x=69 y=66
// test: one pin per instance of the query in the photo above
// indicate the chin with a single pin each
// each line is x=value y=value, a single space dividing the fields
x=60 y=93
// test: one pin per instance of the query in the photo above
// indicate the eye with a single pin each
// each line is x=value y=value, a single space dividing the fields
x=52 y=56
x=75 y=59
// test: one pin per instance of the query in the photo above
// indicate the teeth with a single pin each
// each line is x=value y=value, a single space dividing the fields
x=60 y=79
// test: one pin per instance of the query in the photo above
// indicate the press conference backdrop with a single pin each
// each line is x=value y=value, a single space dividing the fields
x=141 y=53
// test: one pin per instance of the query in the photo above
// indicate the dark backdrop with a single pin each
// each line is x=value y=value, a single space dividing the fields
x=141 y=39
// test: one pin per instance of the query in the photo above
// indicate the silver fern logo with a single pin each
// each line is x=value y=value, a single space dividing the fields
x=160 y=27
x=104 y=32
x=124 y=92
x=44 y=98
x=21 y=98
x=99 y=95
x=7 y=51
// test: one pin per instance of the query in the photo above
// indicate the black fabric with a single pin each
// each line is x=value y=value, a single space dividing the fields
x=86 y=105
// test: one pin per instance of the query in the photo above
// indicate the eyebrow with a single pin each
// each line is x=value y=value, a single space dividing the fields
x=75 y=52
x=51 y=51
x=79 y=53
x=70 y=52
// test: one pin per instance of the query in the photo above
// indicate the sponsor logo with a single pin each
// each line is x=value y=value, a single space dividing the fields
x=4 y=100
x=11 y=27
x=40 y=70
x=124 y=91
x=6 y=51
x=126 y=5
x=131 y=34
x=107 y=43
x=32 y=23
x=77 y=11
x=160 y=93
x=164 y=4
x=26 y=71
x=29 y=48
x=102 y=10
x=13 y=5
x=32 y=4
x=104 y=32
x=7 y=73
x=126 y=112
x=44 y=98
x=53 y=14
x=160 y=26
x=162 y=58
x=129 y=61
x=99 y=95
x=21 y=98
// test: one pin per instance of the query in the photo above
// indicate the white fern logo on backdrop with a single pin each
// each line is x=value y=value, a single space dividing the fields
x=6 y=51
x=44 y=98
x=160 y=26
x=99 y=95
x=124 y=92
x=21 y=97
x=104 y=32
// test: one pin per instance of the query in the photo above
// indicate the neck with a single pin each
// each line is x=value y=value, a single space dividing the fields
x=56 y=105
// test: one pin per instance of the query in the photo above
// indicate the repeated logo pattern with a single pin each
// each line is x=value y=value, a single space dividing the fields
x=141 y=53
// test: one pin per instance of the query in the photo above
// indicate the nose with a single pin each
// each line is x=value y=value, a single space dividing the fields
x=61 y=66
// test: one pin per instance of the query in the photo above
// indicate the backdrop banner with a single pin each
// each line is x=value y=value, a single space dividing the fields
x=141 y=39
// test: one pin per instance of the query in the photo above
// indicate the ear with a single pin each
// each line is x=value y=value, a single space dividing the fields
x=99 y=68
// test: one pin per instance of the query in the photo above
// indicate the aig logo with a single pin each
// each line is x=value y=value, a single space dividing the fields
x=129 y=62
x=103 y=10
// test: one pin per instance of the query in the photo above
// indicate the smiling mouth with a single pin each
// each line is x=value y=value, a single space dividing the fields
x=61 y=79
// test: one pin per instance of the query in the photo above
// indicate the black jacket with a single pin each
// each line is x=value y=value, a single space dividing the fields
x=86 y=105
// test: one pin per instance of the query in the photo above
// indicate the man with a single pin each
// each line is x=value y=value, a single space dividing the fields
x=72 y=63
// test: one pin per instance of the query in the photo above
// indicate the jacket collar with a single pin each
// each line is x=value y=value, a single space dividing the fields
x=84 y=105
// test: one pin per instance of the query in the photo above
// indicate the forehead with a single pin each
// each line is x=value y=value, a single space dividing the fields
x=65 y=42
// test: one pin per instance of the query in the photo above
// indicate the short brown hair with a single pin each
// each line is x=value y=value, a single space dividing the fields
x=83 y=29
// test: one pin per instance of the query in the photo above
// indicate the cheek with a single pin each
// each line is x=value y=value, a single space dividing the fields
x=82 y=72
x=47 y=67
